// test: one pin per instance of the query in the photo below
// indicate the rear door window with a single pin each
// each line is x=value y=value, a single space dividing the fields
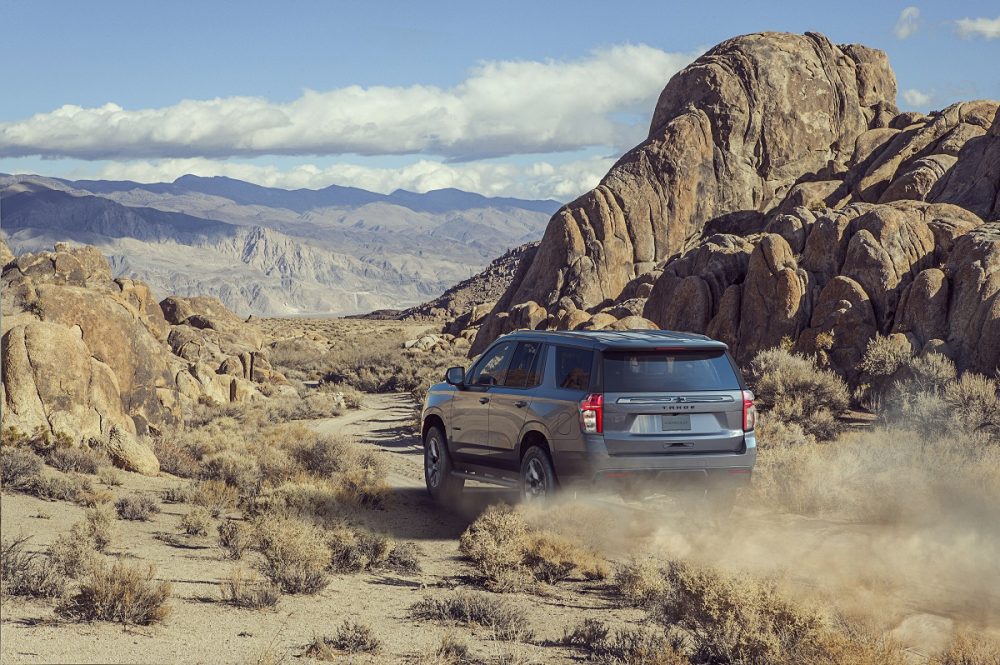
x=525 y=367
x=573 y=368
x=668 y=371
x=492 y=369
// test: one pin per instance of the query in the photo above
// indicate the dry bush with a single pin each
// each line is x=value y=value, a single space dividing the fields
x=355 y=550
x=295 y=554
x=120 y=593
x=236 y=469
x=175 y=457
x=969 y=649
x=196 y=522
x=214 y=495
x=236 y=538
x=110 y=477
x=74 y=553
x=639 y=582
x=883 y=357
x=507 y=621
x=625 y=645
x=404 y=558
x=28 y=574
x=178 y=494
x=735 y=620
x=510 y=553
x=451 y=651
x=351 y=637
x=306 y=498
x=18 y=467
x=247 y=590
x=792 y=388
x=99 y=525
x=138 y=507
x=77 y=459
x=73 y=487
x=325 y=455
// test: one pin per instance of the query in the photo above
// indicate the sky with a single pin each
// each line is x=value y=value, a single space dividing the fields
x=529 y=99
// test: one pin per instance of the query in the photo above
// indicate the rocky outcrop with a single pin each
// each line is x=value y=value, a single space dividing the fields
x=85 y=356
x=781 y=198
x=728 y=137
x=130 y=454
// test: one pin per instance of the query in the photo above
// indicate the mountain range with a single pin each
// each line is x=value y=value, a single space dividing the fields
x=271 y=251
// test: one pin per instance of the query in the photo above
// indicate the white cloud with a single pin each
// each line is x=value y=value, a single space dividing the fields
x=987 y=28
x=538 y=180
x=907 y=23
x=914 y=97
x=502 y=108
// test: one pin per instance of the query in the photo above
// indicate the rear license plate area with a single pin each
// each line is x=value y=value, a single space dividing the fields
x=675 y=422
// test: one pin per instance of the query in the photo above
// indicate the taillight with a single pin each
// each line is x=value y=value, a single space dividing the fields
x=592 y=413
x=749 y=412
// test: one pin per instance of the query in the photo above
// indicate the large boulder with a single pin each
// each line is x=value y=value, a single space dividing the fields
x=732 y=132
x=129 y=454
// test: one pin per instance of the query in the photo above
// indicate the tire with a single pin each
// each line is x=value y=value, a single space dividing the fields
x=441 y=485
x=538 y=477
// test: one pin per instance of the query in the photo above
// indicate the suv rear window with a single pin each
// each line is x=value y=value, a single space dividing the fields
x=667 y=371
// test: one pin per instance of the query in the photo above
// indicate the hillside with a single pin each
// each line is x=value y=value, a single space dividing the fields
x=269 y=251
x=822 y=219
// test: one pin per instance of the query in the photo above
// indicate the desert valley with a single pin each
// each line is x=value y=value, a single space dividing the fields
x=198 y=467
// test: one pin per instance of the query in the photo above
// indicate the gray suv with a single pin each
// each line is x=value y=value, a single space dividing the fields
x=542 y=409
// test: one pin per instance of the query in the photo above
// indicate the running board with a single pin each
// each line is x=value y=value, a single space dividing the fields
x=486 y=478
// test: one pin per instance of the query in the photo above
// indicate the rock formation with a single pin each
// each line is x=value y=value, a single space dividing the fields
x=780 y=195
x=86 y=356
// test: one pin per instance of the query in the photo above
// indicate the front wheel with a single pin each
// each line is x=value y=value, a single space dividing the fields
x=538 y=476
x=441 y=484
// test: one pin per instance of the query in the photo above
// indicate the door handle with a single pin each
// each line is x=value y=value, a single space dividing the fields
x=520 y=404
x=484 y=400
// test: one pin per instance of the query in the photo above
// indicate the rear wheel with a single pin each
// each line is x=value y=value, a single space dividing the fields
x=538 y=476
x=441 y=484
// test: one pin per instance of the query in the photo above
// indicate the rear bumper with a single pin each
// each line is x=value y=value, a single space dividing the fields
x=596 y=465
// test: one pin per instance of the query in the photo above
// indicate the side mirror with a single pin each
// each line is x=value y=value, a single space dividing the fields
x=455 y=376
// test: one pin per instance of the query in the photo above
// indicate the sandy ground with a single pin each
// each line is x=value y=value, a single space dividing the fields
x=913 y=587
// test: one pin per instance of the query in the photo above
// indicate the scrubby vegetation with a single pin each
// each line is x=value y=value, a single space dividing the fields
x=506 y=620
x=510 y=553
x=247 y=590
x=121 y=593
x=351 y=637
x=24 y=573
x=140 y=507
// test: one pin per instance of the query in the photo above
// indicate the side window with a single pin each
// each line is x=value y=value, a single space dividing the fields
x=573 y=368
x=491 y=369
x=525 y=366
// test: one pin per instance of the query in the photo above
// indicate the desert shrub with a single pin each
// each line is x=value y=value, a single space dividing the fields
x=310 y=407
x=494 y=545
x=249 y=591
x=624 y=645
x=969 y=649
x=973 y=403
x=355 y=550
x=735 y=620
x=507 y=621
x=28 y=574
x=307 y=498
x=214 y=495
x=639 y=582
x=794 y=389
x=138 y=507
x=77 y=459
x=235 y=537
x=509 y=553
x=553 y=557
x=77 y=489
x=175 y=458
x=325 y=455
x=404 y=558
x=883 y=357
x=351 y=637
x=451 y=651
x=234 y=469
x=99 y=526
x=295 y=554
x=74 y=553
x=120 y=593
x=110 y=476
x=196 y=522
x=178 y=494
x=18 y=467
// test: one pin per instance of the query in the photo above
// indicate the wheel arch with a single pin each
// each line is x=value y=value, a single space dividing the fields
x=533 y=436
x=430 y=420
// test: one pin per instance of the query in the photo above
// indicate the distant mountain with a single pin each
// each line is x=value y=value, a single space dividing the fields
x=271 y=251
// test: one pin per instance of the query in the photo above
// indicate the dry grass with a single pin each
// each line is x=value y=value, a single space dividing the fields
x=295 y=554
x=352 y=637
x=623 y=645
x=969 y=649
x=18 y=467
x=792 y=389
x=510 y=554
x=110 y=477
x=30 y=574
x=78 y=459
x=196 y=522
x=639 y=582
x=235 y=537
x=247 y=590
x=506 y=620
x=120 y=593
x=138 y=507
x=355 y=550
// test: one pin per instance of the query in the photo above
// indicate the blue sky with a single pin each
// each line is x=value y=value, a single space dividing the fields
x=498 y=99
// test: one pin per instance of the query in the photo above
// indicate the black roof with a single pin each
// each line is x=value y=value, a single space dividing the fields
x=622 y=339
